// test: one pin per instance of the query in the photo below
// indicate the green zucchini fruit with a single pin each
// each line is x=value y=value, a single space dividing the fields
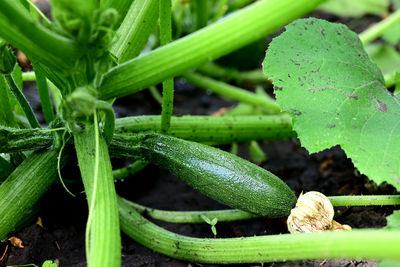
x=25 y=185
x=216 y=173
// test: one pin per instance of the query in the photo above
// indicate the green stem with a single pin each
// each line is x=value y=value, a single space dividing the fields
x=37 y=42
x=214 y=130
x=390 y=79
x=155 y=94
x=373 y=200
x=356 y=244
x=231 y=92
x=216 y=71
x=28 y=76
x=94 y=163
x=134 y=168
x=24 y=187
x=379 y=28
x=168 y=84
x=22 y=101
x=229 y=215
x=134 y=32
x=218 y=39
x=167 y=104
x=257 y=155
x=44 y=95
x=201 y=7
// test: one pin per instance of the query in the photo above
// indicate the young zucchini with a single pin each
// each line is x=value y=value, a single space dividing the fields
x=216 y=173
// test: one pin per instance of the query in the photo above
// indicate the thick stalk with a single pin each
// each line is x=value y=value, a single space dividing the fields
x=134 y=32
x=95 y=166
x=231 y=92
x=245 y=26
x=39 y=43
x=24 y=187
x=356 y=244
x=214 y=130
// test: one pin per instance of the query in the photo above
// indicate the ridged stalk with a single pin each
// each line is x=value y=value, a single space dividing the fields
x=237 y=30
x=105 y=242
x=214 y=130
x=356 y=244
x=134 y=32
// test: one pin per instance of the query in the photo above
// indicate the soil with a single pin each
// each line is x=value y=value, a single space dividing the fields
x=63 y=217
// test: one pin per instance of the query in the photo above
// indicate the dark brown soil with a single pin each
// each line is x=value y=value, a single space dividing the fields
x=64 y=217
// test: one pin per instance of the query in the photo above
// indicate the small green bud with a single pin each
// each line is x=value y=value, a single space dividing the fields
x=79 y=107
x=108 y=18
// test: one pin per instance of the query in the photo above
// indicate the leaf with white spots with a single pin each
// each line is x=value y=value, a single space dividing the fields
x=337 y=96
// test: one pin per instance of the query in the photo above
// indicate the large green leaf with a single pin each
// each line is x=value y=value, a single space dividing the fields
x=337 y=96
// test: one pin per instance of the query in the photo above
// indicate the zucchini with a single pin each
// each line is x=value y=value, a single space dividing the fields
x=25 y=185
x=216 y=173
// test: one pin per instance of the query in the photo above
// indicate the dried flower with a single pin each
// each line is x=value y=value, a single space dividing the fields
x=313 y=213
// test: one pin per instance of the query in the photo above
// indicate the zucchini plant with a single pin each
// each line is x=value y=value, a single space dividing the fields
x=98 y=50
